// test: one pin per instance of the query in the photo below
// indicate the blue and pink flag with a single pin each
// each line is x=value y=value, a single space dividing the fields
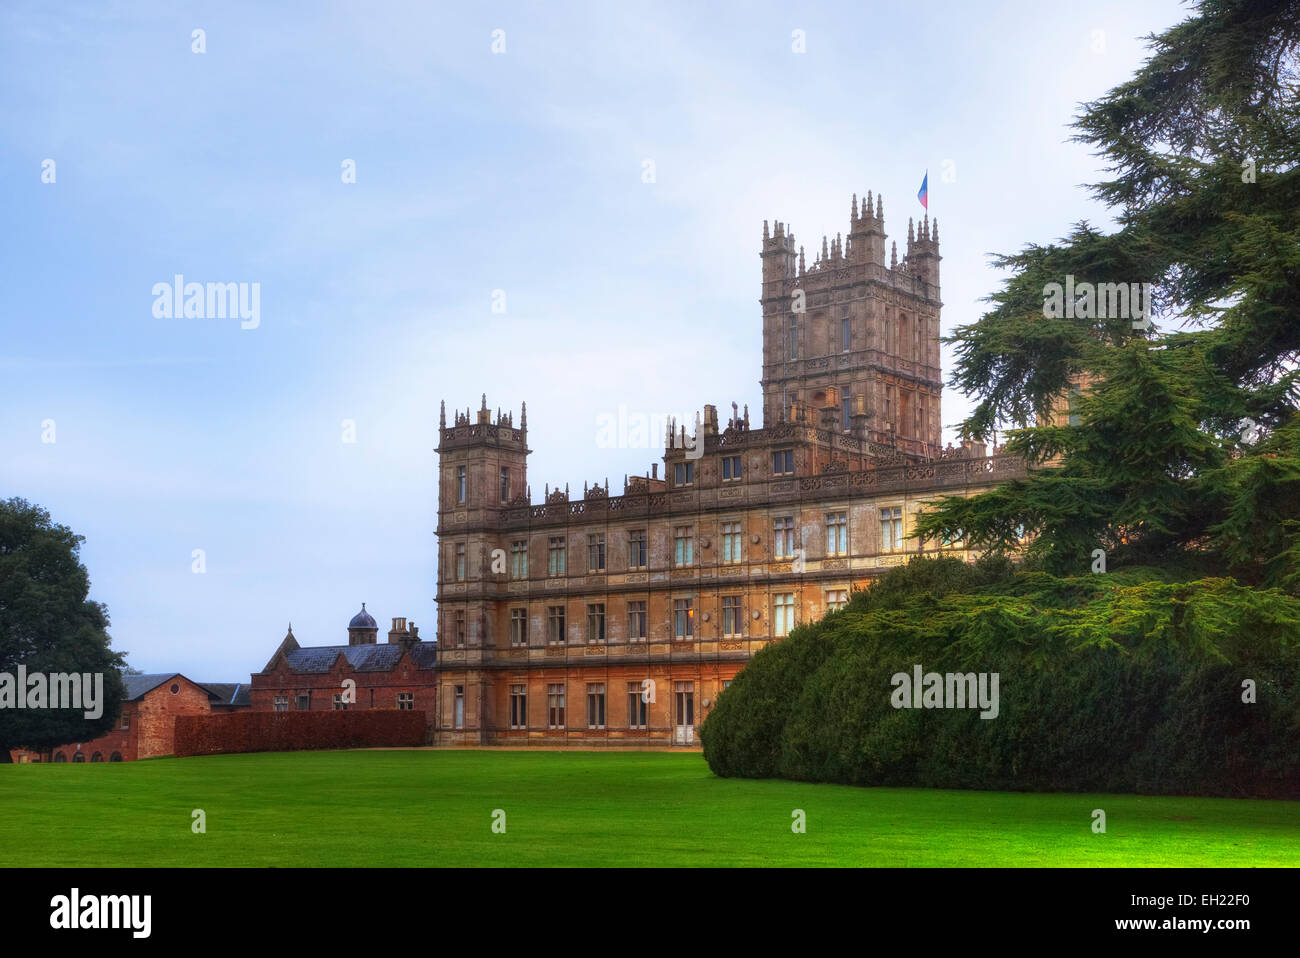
x=923 y=194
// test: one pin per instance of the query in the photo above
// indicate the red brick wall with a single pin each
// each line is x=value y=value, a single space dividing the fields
x=117 y=739
x=157 y=714
x=377 y=690
x=252 y=731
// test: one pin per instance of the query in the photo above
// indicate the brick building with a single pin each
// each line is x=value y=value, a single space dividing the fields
x=144 y=729
x=363 y=674
x=619 y=620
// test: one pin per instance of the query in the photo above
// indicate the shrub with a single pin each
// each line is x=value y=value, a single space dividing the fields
x=1122 y=682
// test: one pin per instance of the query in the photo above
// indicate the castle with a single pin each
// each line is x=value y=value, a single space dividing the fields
x=620 y=619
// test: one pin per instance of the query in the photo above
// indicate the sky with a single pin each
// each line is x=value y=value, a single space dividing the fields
x=502 y=235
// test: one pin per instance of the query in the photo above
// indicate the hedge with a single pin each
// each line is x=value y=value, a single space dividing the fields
x=294 y=731
x=1114 y=683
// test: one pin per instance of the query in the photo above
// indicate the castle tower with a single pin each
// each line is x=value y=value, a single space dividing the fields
x=482 y=469
x=851 y=345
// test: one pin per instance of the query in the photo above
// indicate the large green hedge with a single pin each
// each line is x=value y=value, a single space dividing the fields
x=1127 y=682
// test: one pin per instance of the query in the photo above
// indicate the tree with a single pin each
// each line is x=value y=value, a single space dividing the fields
x=48 y=624
x=1188 y=423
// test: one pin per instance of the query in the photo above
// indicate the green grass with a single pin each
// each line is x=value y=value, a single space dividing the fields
x=584 y=808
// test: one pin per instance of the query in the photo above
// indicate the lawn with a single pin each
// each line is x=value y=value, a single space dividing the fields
x=583 y=808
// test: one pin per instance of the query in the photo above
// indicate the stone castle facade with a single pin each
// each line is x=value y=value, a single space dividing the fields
x=620 y=619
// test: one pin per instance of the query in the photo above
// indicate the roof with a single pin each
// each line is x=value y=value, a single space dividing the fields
x=363 y=658
x=139 y=685
x=228 y=693
x=363 y=620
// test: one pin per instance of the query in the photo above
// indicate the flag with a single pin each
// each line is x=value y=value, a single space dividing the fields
x=923 y=194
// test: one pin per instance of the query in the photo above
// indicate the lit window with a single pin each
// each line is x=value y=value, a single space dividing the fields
x=684 y=618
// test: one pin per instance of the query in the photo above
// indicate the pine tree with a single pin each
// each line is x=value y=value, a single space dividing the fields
x=1185 y=449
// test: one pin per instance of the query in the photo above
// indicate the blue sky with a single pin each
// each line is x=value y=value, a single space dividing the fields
x=475 y=172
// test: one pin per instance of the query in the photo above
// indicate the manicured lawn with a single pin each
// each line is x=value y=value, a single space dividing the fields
x=583 y=808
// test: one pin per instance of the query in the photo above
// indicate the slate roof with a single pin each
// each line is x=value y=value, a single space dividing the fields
x=363 y=658
x=138 y=685
x=229 y=693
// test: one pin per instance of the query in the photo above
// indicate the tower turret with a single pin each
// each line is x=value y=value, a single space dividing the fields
x=867 y=235
x=363 y=629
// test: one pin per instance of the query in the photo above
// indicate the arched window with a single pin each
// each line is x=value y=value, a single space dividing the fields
x=78 y=757
x=60 y=757
x=97 y=757
x=115 y=757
